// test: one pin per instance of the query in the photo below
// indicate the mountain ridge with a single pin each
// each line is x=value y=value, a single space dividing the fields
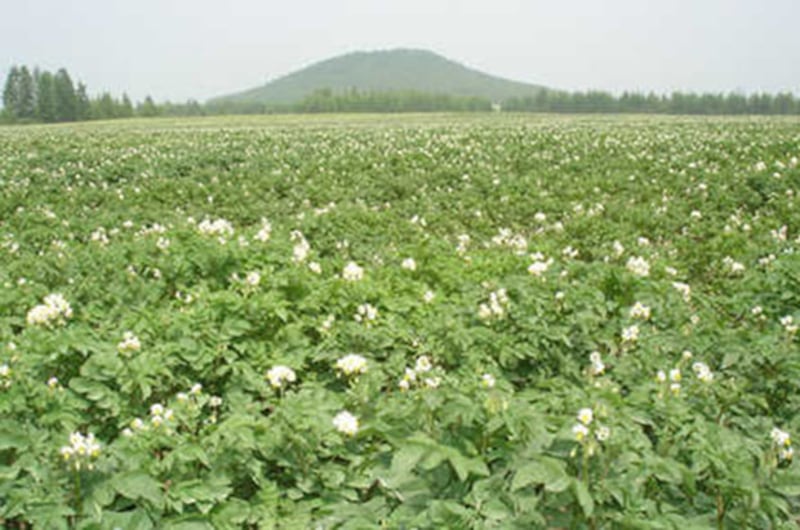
x=399 y=69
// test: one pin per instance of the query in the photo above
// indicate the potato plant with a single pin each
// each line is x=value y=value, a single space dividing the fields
x=493 y=322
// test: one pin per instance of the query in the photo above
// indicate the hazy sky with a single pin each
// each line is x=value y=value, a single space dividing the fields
x=180 y=49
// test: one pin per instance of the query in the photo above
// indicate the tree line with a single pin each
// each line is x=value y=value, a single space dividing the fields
x=39 y=96
x=675 y=103
x=395 y=101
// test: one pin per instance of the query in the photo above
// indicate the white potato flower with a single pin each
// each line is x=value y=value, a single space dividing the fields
x=539 y=267
x=638 y=266
x=630 y=334
x=580 y=431
x=301 y=247
x=684 y=289
x=780 y=438
x=264 y=232
x=129 y=343
x=703 y=372
x=253 y=278
x=597 y=366
x=366 y=313
x=217 y=227
x=81 y=451
x=639 y=310
x=55 y=309
x=602 y=433
x=279 y=376
x=352 y=272
x=352 y=365
x=409 y=264
x=346 y=423
x=423 y=364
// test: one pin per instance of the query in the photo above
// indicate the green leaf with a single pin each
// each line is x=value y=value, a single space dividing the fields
x=463 y=466
x=139 y=485
x=583 y=497
x=191 y=523
x=547 y=471
x=132 y=520
x=12 y=440
x=787 y=483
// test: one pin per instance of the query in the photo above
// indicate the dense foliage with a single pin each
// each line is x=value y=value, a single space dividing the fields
x=412 y=324
x=43 y=97
x=675 y=103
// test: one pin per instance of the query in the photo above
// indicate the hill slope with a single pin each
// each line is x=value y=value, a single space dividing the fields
x=391 y=70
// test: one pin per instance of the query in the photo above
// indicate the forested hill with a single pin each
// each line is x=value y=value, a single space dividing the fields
x=384 y=71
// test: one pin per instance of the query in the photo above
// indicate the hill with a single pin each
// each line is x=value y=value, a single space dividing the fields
x=391 y=70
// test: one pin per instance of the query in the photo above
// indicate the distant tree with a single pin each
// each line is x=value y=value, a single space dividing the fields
x=103 y=107
x=26 y=105
x=125 y=107
x=45 y=96
x=11 y=94
x=66 y=102
x=83 y=106
x=148 y=108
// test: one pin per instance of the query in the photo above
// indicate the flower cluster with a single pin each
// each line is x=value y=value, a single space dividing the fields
x=463 y=244
x=703 y=372
x=674 y=380
x=597 y=367
x=789 y=324
x=351 y=365
x=539 y=265
x=733 y=266
x=55 y=309
x=783 y=444
x=684 y=289
x=409 y=264
x=638 y=266
x=352 y=272
x=639 y=310
x=506 y=238
x=280 y=376
x=301 y=247
x=422 y=374
x=252 y=279
x=5 y=375
x=129 y=343
x=217 y=227
x=630 y=334
x=586 y=426
x=366 y=313
x=346 y=423
x=264 y=232
x=81 y=451
x=496 y=307
x=159 y=415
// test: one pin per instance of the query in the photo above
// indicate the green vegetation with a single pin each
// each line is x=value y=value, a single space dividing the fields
x=388 y=81
x=400 y=322
x=675 y=103
x=43 y=97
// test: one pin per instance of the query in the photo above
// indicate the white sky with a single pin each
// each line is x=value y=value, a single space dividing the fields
x=180 y=49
